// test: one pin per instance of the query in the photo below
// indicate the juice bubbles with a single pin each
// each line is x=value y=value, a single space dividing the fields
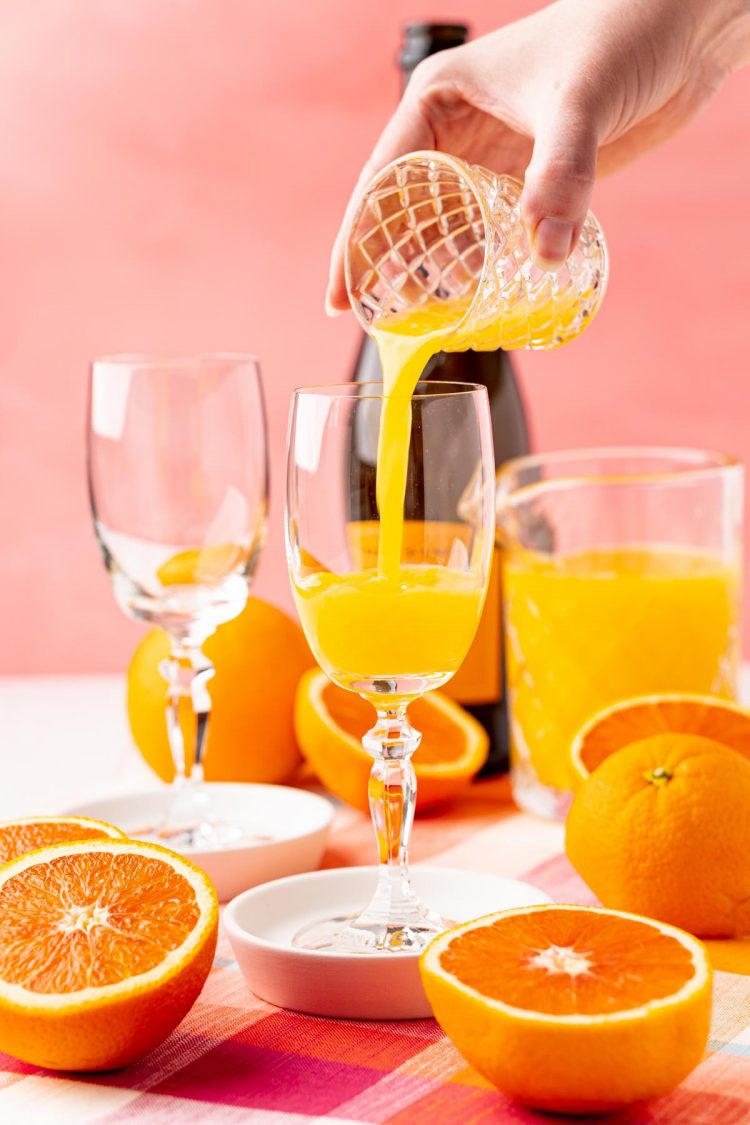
x=415 y=629
x=588 y=629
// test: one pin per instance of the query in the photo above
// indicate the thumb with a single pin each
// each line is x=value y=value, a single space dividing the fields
x=558 y=184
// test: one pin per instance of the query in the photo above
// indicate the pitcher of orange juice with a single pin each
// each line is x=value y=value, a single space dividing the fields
x=621 y=578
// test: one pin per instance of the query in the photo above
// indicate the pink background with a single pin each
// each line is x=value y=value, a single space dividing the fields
x=171 y=176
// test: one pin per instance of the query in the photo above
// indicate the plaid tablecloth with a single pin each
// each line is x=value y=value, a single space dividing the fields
x=236 y=1059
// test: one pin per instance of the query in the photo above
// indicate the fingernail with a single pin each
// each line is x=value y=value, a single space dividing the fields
x=552 y=240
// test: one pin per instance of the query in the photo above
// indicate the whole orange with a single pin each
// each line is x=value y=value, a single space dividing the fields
x=259 y=657
x=662 y=828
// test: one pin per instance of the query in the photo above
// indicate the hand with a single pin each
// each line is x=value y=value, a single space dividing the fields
x=575 y=90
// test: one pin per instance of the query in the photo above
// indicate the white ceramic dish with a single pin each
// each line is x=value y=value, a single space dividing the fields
x=261 y=924
x=291 y=826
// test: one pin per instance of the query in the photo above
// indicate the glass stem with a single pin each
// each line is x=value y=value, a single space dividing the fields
x=187 y=672
x=393 y=795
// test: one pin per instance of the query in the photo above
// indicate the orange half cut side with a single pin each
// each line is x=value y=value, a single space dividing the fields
x=20 y=836
x=330 y=721
x=104 y=946
x=632 y=720
x=572 y=1009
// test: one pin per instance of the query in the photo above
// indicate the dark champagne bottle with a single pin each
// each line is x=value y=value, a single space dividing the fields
x=478 y=684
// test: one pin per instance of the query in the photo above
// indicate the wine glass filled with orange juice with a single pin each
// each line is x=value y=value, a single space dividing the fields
x=621 y=578
x=390 y=589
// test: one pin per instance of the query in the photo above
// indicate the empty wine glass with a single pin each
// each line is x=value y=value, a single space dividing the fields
x=178 y=483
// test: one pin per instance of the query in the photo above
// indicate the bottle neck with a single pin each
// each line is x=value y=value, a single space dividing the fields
x=423 y=40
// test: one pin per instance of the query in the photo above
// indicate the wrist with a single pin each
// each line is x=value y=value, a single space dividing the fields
x=722 y=31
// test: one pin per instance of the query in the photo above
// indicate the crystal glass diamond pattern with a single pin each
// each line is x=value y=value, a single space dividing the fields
x=433 y=228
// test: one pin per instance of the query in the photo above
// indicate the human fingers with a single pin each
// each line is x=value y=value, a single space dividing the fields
x=559 y=181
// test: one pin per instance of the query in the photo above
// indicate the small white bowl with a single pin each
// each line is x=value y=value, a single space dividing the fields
x=261 y=924
x=295 y=822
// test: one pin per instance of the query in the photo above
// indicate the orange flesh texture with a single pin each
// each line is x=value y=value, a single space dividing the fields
x=441 y=740
x=612 y=964
x=15 y=839
x=669 y=716
x=91 y=920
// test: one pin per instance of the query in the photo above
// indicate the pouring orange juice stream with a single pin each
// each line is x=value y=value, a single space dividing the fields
x=395 y=619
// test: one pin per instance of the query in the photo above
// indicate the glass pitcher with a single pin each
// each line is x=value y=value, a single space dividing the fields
x=621 y=580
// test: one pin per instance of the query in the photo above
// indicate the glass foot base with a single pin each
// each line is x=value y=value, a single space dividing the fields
x=356 y=933
x=204 y=835
x=188 y=820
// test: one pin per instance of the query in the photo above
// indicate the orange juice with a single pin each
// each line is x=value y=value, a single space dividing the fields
x=589 y=629
x=405 y=349
x=364 y=626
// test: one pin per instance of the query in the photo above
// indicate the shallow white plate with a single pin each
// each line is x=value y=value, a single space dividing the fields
x=290 y=825
x=261 y=924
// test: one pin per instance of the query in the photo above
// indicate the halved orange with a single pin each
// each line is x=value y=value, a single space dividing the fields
x=104 y=947
x=329 y=723
x=19 y=836
x=632 y=720
x=572 y=1009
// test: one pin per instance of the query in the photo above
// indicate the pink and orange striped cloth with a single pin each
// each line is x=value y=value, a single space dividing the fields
x=235 y=1059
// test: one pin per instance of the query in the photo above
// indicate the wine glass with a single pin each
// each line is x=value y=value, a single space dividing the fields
x=389 y=636
x=178 y=484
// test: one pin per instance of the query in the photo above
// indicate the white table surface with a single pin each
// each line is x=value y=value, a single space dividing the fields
x=65 y=740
